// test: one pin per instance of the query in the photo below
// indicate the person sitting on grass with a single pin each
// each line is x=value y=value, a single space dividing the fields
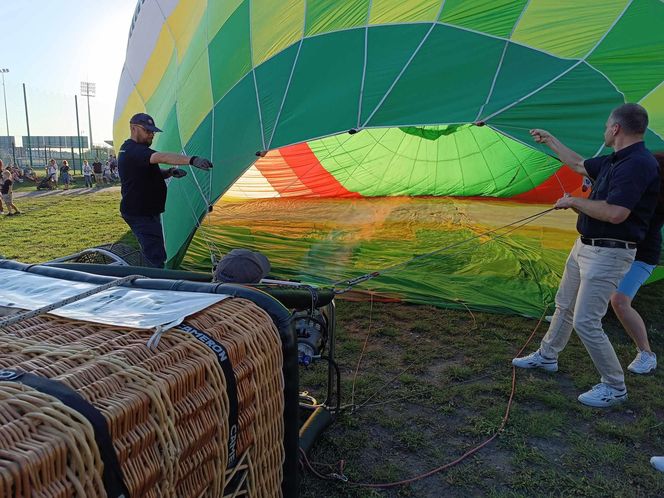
x=30 y=174
x=113 y=166
x=17 y=174
x=7 y=193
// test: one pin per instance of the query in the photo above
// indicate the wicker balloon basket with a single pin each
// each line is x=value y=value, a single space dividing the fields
x=176 y=424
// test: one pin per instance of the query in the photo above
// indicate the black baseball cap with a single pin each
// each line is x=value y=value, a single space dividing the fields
x=145 y=120
x=242 y=266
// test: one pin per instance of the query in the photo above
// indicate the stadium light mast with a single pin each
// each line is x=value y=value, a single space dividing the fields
x=88 y=90
x=27 y=124
x=4 y=94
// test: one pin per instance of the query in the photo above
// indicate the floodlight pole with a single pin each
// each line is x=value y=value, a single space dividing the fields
x=78 y=134
x=27 y=122
x=4 y=94
x=88 y=90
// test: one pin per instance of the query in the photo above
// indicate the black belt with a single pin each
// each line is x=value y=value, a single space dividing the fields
x=612 y=243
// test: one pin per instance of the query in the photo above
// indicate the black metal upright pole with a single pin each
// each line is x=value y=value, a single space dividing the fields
x=90 y=122
x=4 y=94
x=78 y=134
x=27 y=122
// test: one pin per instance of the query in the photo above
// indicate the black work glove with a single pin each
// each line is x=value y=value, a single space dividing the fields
x=178 y=173
x=200 y=163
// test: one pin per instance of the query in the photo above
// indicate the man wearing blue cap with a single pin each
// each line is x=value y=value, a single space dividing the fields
x=144 y=187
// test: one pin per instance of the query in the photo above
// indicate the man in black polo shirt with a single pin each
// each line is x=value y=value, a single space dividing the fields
x=144 y=186
x=611 y=221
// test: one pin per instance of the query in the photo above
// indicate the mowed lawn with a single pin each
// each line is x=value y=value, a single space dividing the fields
x=424 y=385
x=55 y=223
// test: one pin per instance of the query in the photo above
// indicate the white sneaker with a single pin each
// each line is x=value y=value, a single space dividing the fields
x=658 y=462
x=603 y=395
x=536 y=360
x=644 y=363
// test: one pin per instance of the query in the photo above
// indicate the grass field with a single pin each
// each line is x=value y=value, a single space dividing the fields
x=54 y=224
x=432 y=384
x=29 y=186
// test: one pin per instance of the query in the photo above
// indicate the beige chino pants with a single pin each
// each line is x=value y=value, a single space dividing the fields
x=591 y=275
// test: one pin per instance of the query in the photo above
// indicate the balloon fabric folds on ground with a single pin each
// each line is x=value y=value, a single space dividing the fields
x=358 y=99
x=326 y=240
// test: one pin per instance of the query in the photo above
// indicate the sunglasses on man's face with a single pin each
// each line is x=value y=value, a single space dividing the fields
x=145 y=129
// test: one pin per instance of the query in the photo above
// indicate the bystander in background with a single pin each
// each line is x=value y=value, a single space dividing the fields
x=65 y=177
x=6 y=191
x=87 y=174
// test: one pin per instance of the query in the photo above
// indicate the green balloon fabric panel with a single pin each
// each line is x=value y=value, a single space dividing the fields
x=237 y=78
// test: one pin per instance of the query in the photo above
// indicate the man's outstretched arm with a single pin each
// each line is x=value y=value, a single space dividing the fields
x=179 y=160
x=564 y=153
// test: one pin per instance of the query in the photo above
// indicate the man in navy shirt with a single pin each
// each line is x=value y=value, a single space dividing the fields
x=144 y=186
x=611 y=222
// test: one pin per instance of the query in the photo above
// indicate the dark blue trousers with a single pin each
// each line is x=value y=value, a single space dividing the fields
x=150 y=236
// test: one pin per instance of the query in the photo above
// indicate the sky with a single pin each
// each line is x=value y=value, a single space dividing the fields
x=53 y=45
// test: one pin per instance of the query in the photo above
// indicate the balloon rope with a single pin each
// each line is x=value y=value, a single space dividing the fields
x=212 y=248
x=349 y=284
x=340 y=476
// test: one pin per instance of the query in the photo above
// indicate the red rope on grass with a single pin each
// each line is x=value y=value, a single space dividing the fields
x=340 y=476
x=364 y=347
